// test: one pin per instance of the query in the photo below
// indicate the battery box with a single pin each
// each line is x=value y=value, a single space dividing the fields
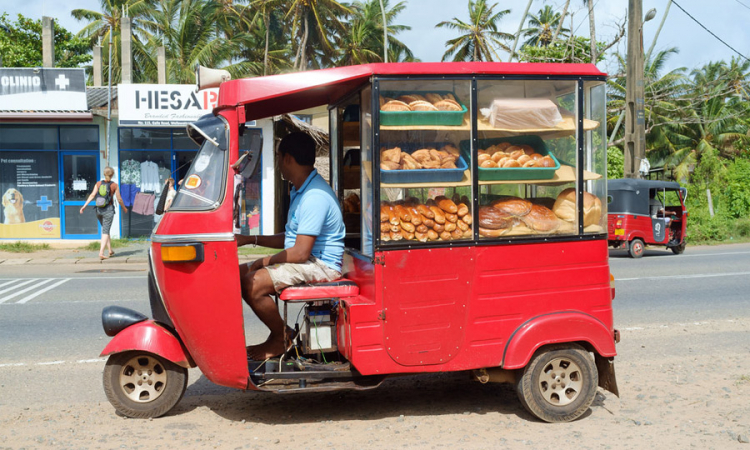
x=319 y=328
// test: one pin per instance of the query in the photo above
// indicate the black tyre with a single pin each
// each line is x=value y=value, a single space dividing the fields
x=679 y=249
x=636 y=248
x=142 y=385
x=559 y=383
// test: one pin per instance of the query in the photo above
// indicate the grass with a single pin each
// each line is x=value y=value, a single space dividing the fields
x=250 y=250
x=116 y=243
x=22 y=247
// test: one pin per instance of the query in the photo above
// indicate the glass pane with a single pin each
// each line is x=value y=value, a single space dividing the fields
x=204 y=183
x=29 y=187
x=77 y=223
x=527 y=158
x=79 y=176
x=184 y=159
x=28 y=138
x=79 y=138
x=425 y=155
x=181 y=141
x=250 y=206
x=145 y=138
x=595 y=154
x=366 y=196
x=142 y=176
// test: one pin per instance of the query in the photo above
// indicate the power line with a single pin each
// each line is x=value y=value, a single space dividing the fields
x=738 y=1
x=709 y=31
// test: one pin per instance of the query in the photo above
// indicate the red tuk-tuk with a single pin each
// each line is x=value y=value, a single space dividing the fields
x=461 y=255
x=646 y=212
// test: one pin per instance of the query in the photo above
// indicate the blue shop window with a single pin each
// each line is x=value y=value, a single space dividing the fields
x=28 y=138
x=145 y=138
x=79 y=138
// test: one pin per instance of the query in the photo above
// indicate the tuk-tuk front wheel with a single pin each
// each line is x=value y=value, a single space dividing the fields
x=143 y=385
x=679 y=249
x=636 y=248
x=559 y=383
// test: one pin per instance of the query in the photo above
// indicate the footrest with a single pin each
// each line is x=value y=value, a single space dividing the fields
x=320 y=291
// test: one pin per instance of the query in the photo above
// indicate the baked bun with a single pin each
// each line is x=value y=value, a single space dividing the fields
x=514 y=206
x=541 y=219
x=494 y=219
x=395 y=105
x=565 y=207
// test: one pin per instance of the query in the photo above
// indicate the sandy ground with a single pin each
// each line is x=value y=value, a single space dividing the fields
x=681 y=385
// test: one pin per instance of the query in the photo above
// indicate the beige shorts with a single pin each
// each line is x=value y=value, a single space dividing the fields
x=290 y=274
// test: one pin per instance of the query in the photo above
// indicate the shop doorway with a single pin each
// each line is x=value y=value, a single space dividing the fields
x=78 y=175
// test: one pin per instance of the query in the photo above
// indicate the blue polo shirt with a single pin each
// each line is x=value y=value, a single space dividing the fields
x=315 y=211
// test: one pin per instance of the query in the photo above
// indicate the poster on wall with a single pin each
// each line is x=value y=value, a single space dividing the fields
x=30 y=202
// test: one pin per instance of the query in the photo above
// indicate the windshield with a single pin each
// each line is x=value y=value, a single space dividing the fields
x=202 y=188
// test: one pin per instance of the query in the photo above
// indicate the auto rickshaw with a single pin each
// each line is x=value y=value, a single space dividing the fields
x=646 y=212
x=461 y=254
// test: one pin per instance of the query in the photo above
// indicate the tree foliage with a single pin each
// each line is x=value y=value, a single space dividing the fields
x=21 y=44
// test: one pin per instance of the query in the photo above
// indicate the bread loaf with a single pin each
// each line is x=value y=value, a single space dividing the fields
x=565 y=207
x=494 y=219
x=541 y=219
x=485 y=232
x=514 y=206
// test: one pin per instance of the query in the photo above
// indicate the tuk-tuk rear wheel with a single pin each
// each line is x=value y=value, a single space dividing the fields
x=636 y=248
x=559 y=383
x=679 y=249
x=143 y=385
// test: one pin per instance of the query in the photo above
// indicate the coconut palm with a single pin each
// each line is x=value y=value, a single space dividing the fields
x=364 y=41
x=314 y=25
x=542 y=27
x=108 y=19
x=480 y=37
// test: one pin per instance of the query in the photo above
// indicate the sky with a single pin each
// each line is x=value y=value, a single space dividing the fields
x=727 y=19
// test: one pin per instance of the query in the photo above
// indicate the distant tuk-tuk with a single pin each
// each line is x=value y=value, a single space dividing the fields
x=475 y=204
x=646 y=212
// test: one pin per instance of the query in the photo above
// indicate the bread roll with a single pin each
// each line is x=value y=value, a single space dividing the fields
x=408 y=226
x=446 y=236
x=463 y=226
x=393 y=217
x=426 y=211
x=512 y=205
x=389 y=165
x=450 y=226
x=416 y=217
x=448 y=105
x=468 y=219
x=439 y=227
x=395 y=105
x=421 y=229
x=546 y=162
x=432 y=235
x=429 y=223
x=421 y=237
x=462 y=209
x=396 y=235
x=541 y=219
x=439 y=214
x=457 y=234
x=489 y=164
x=451 y=218
x=468 y=234
x=384 y=212
x=523 y=159
x=511 y=163
x=408 y=235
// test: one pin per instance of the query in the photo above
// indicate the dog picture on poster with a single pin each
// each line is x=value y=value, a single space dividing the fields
x=13 y=207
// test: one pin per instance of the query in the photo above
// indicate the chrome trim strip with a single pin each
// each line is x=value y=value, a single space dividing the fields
x=197 y=237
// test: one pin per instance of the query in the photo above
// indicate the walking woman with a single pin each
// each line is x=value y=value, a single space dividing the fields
x=104 y=191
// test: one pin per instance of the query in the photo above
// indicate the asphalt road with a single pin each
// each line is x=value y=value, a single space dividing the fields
x=50 y=326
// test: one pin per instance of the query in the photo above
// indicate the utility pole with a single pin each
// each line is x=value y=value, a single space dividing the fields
x=635 y=123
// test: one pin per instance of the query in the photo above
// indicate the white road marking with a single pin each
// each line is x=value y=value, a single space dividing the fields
x=54 y=363
x=30 y=280
x=685 y=277
x=23 y=291
x=73 y=277
x=36 y=294
x=13 y=365
x=9 y=282
x=50 y=363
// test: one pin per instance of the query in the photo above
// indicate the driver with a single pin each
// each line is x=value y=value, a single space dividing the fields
x=313 y=242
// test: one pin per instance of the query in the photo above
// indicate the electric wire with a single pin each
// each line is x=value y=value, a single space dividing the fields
x=738 y=1
x=709 y=31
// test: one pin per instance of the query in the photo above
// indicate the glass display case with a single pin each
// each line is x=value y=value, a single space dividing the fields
x=473 y=159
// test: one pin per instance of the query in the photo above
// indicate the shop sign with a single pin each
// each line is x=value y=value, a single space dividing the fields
x=163 y=105
x=30 y=199
x=42 y=89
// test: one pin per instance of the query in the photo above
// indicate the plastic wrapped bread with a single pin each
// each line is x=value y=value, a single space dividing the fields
x=522 y=113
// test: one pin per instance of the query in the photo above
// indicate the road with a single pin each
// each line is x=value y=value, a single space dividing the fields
x=690 y=307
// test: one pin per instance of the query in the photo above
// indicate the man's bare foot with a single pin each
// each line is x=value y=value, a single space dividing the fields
x=269 y=349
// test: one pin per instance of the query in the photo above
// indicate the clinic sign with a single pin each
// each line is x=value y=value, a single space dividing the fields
x=163 y=105
x=42 y=89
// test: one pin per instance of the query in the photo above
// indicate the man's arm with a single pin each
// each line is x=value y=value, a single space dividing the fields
x=272 y=241
x=298 y=253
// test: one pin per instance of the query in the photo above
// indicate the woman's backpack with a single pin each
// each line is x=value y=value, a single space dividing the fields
x=103 y=194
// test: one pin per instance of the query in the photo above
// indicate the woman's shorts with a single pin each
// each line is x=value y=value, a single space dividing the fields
x=290 y=274
x=105 y=216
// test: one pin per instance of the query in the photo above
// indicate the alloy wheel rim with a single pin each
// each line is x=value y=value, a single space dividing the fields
x=560 y=381
x=143 y=379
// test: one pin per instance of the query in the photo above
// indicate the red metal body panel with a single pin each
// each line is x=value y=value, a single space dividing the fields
x=468 y=310
x=150 y=337
x=277 y=94
x=635 y=226
x=554 y=328
x=203 y=299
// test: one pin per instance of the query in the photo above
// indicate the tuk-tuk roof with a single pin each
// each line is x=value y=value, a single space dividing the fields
x=635 y=184
x=277 y=94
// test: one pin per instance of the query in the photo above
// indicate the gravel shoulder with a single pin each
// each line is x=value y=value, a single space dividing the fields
x=681 y=385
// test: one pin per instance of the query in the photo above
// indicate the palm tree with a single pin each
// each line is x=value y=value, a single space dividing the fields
x=100 y=24
x=314 y=24
x=542 y=27
x=363 y=42
x=480 y=36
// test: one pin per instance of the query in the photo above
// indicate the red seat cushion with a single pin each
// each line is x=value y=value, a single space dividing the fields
x=319 y=291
